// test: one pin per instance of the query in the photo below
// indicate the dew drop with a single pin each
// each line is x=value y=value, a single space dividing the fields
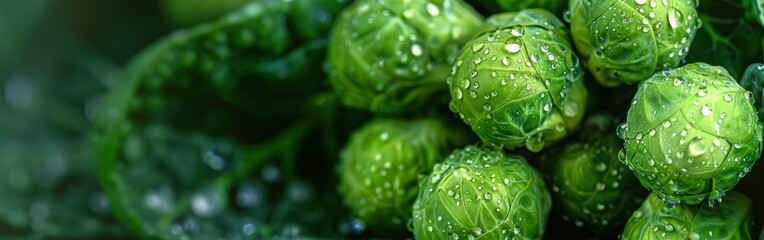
x=517 y=31
x=487 y=196
x=207 y=203
x=621 y=130
x=570 y=109
x=572 y=61
x=534 y=57
x=416 y=50
x=505 y=61
x=600 y=167
x=706 y=110
x=513 y=47
x=477 y=47
x=250 y=194
x=696 y=147
x=432 y=9
x=458 y=94
x=465 y=83
x=566 y=15
x=674 y=17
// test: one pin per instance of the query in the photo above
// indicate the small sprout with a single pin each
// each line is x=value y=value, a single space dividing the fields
x=655 y=220
x=392 y=57
x=481 y=194
x=628 y=41
x=590 y=186
x=381 y=163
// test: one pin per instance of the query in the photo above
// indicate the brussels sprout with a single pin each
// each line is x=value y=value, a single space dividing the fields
x=753 y=80
x=628 y=41
x=495 y=6
x=481 y=194
x=691 y=133
x=392 y=56
x=518 y=81
x=380 y=165
x=590 y=186
x=654 y=220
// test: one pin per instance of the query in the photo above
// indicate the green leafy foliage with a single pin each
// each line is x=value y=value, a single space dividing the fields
x=726 y=38
x=628 y=41
x=518 y=81
x=175 y=140
x=392 y=57
x=692 y=133
x=655 y=220
x=482 y=194
x=49 y=186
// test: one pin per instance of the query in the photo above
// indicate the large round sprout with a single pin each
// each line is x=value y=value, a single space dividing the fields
x=392 y=56
x=655 y=220
x=590 y=186
x=691 y=133
x=518 y=81
x=481 y=194
x=629 y=40
x=380 y=165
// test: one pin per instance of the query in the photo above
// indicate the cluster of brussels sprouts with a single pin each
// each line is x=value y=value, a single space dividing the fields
x=691 y=133
x=437 y=119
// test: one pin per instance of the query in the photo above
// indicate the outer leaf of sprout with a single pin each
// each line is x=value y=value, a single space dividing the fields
x=393 y=57
x=627 y=41
x=518 y=81
x=381 y=163
x=590 y=186
x=654 y=220
x=691 y=133
x=201 y=58
x=313 y=18
x=753 y=10
x=481 y=194
x=753 y=80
